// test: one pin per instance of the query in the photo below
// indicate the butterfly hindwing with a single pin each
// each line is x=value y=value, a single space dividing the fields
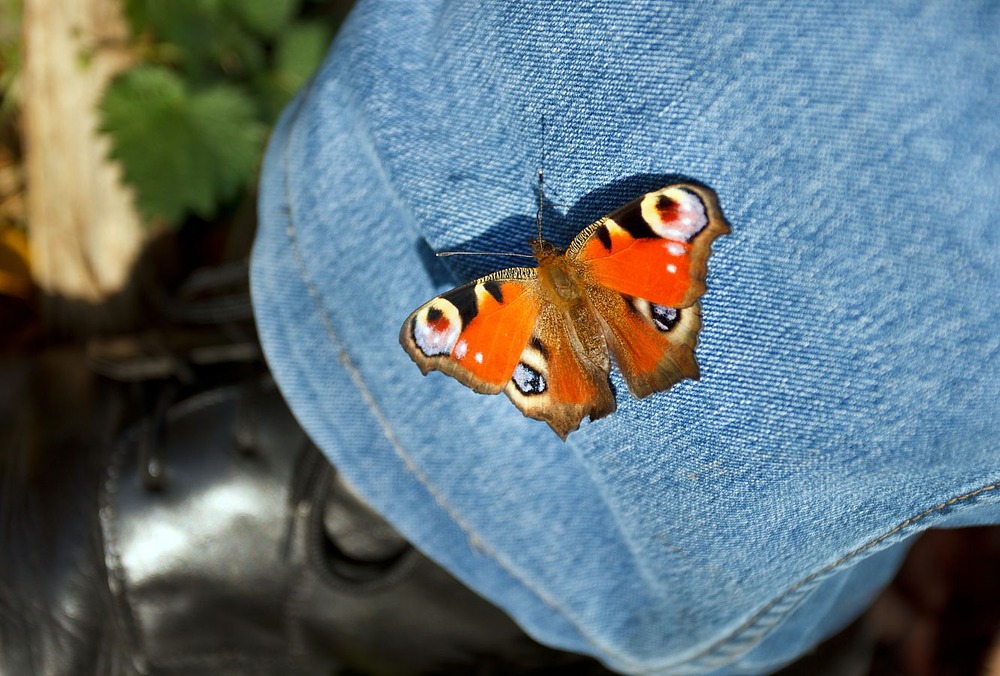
x=476 y=332
x=553 y=380
x=655 y=247
x=653 y=345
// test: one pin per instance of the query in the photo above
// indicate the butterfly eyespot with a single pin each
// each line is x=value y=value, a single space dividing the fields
x=527 y=380
x=437 y=328
x=664 y=318
x=675 y=213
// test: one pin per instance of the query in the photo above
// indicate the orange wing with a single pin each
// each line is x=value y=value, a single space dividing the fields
x=655 y=247
x=554 y=382
x=498 y=333
x=644 y=267
x=653 y=345
x=476 y=332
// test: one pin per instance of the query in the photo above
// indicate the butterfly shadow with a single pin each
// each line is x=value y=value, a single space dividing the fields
x=512 y=233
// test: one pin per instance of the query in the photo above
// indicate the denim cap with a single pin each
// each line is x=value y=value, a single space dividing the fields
x=849 y=391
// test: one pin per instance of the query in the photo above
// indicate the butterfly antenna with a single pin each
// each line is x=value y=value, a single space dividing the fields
x=442 y=254
x=541 y=202
x=541 y=185
x=538 y=215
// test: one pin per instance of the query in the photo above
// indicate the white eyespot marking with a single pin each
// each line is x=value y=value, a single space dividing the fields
x=675 y=248
x=674 y=213
x=436 y=328
x=671 y=268
x=664 y=318
x=479 y=357
x=527 y=380
x=460 y=349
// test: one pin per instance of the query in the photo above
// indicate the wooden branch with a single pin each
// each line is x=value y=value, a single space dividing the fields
x=85 y=232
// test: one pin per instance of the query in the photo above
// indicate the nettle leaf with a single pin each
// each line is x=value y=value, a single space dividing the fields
x=301 y=49
x=182 y=151
x=193 y=25
x=265 y=17
x=209 y=37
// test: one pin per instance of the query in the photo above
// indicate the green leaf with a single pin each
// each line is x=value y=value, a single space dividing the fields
x=208 y=37
x=193 y=25
x=300 y=50
x=265 y=17
x=182 y=151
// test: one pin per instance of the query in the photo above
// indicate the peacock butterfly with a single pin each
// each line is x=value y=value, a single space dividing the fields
x=627 y=285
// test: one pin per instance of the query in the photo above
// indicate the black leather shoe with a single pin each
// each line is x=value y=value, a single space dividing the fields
x=210 y=536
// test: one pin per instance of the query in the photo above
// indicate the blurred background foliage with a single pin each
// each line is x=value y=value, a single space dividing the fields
x=188 y=120
x=10 y=57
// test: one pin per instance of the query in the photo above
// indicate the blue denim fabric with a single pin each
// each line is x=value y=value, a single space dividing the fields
x=849 y=397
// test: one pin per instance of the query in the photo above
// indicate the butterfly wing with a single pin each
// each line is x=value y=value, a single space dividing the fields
x=642 y=269
x=498 y=334
x=476 y=332
x=653 y=345
x=655 y=247
x=645 y=267
x=552 y=381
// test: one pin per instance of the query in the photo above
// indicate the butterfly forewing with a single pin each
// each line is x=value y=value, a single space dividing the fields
x=476 y=332
x=655 y=247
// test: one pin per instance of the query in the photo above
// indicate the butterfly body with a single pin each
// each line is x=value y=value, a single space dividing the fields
x=562 y=282
x=627 y=287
